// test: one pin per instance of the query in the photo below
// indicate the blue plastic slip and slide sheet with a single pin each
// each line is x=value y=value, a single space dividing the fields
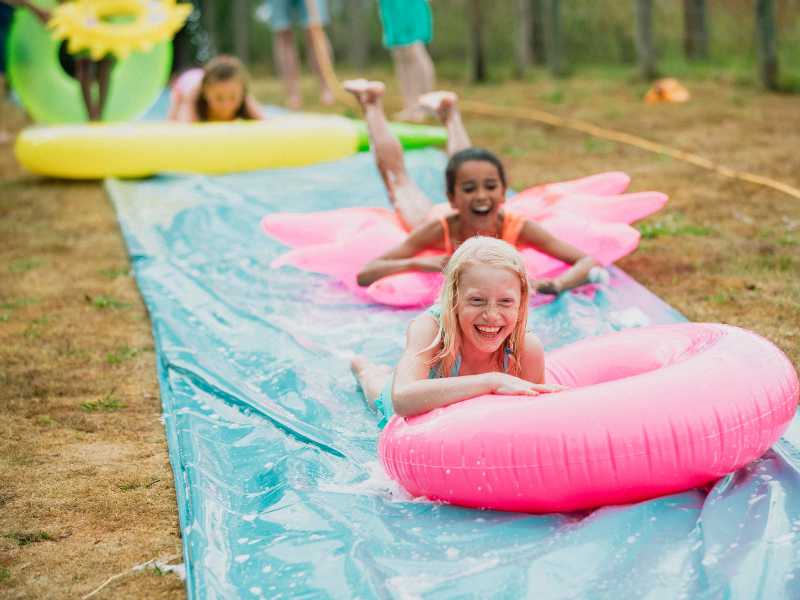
x=279 y=488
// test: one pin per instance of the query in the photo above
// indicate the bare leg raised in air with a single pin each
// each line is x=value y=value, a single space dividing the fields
x=410 y=202
x=445 y=106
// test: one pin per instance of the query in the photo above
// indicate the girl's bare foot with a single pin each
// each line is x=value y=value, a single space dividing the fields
x=441 y=103
x=364 y=368
x=358 y=363
x=366 y=92
x=371 y=377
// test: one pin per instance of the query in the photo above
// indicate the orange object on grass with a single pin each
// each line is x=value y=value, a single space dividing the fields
x=667 y=90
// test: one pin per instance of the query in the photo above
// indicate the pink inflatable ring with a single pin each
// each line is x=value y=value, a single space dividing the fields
x=649 y=412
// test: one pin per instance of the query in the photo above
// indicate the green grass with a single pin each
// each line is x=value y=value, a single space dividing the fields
x=107 y=404
x=19 y=303
x=553 y=97
x=4 y=574
x=721 y=298
x=597 y=146
x=132 y=485
x=673 y=225
x=108 y=303
x=114 y=272
x=122 y=354
x=23 y=539
x=24 y=265
x=779 y=262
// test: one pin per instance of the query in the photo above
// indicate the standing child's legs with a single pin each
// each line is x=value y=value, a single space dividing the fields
x=415 y=74
x=445 y=105
x=371 y=377
x=325 y=94
x=411 y=203
x=288 y=66
x=83 y=71
x=103 y=79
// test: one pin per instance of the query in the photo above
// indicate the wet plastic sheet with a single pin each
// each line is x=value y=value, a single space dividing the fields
x=274 y=451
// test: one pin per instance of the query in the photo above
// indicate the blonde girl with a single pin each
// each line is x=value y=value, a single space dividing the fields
x=473 y=342
x=217 y=92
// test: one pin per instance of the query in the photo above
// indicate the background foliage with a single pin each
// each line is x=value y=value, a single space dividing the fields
x=596 y=34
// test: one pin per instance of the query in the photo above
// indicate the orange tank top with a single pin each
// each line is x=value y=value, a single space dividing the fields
x=509 y=232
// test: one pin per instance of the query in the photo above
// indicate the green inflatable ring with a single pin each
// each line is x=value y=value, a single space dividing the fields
x=411 y=136
x=50 y=95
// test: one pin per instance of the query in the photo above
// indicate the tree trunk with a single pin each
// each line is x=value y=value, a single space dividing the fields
x=358 y=42
x=210 y=25
x=241 y=29
x=695 y=29
x=554 y=53
x=645 y=51
x=478 y=58
x=522 y=49
x=537 y=32
x=767 y=40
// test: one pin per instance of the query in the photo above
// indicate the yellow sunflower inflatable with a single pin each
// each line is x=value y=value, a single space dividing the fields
x=118 y=27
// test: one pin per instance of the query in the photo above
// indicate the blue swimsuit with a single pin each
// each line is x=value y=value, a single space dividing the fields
x=383 y=403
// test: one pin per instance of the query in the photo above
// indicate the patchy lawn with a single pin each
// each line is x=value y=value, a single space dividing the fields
x=86 y=489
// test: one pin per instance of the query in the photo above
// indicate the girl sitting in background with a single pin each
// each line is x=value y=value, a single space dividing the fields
x=217 y=92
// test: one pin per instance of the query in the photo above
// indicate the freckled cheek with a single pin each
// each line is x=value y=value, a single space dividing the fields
x=510 y=316
x=466 y=318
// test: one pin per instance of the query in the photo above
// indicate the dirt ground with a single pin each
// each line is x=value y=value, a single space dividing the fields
x=86 y=489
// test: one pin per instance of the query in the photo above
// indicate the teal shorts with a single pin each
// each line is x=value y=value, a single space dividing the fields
x=383 y=403
x=406 y=22
x=285 y=13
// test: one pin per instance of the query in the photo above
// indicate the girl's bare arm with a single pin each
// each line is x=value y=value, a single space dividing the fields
x=538 y=237
x=403 y=257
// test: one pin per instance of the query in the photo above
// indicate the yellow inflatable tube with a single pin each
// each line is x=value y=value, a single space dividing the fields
x=95 y=151
x=89 y=25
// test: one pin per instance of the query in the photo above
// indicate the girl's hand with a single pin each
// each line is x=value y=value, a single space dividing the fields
x=508 y=385
x=431 y=263
x=546 y=286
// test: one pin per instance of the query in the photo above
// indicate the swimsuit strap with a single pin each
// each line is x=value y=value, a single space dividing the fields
x=456 y=366
x=448 y=245
x=511 y=228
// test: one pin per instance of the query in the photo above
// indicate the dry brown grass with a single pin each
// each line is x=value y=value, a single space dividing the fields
x=85 y=486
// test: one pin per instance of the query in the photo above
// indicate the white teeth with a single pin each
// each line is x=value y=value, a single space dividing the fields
x=485 y=329
x=482 y=208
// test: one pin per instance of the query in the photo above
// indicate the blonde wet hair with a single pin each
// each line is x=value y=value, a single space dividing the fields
x=494 y=253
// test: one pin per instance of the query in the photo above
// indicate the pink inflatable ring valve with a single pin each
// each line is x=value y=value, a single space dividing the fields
x=649 y=412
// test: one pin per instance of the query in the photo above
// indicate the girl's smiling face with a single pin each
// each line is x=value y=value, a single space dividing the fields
x=488 y=306
x=224 y=99
x=479 y=192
